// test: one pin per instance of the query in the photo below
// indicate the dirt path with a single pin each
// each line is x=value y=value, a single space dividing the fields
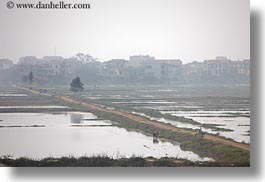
x=146 y=121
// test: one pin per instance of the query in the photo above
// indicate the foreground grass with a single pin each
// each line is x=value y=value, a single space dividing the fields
x=110 y=162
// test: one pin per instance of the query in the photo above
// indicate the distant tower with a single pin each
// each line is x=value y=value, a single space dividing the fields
x=54 y=50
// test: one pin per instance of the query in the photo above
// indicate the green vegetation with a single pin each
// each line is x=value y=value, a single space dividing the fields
x=103 y=161
x=220 y=152
x=31 y=77
x=76 y=85
x=97 y=161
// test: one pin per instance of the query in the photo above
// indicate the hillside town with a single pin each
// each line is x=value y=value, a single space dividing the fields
x=138 y=69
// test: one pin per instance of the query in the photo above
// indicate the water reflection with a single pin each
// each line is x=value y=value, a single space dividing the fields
x=76 y=118
x=155 y=137
x=79 y=141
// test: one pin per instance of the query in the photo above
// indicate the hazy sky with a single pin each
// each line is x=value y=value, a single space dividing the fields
x=184 y=29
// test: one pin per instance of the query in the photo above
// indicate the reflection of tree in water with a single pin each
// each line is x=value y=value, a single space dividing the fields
x=76 y=118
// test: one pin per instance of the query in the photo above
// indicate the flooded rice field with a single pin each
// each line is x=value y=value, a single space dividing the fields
x=226 y=106
x=231 y=120
x=39 y=135
x=237 y=121
x=37 y=127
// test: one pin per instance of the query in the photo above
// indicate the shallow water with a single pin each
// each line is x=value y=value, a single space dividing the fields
x=240 y=125
x=12 y=95
x=145 y=102
x=202 y=113
x=59 y=138
x=171 y=107
x=163 y=120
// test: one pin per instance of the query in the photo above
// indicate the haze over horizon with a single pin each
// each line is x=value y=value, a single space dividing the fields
x=172 y=29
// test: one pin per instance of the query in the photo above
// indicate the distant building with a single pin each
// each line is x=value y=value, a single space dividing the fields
x=163 y=69
x=52 y=58
x=241 y=67
x=30 y=60
x=115 y=67
x=194 y=71
x=70 y=66
x=5 y=64
x=53 y=65
x=138 y=60
x=218 y=67
x=138 y=69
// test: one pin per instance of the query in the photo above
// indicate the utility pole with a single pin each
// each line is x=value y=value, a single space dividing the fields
x=54 y=50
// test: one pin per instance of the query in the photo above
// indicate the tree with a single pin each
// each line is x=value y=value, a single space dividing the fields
x=76 y=85
x=85 y=58
x=31 y=77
